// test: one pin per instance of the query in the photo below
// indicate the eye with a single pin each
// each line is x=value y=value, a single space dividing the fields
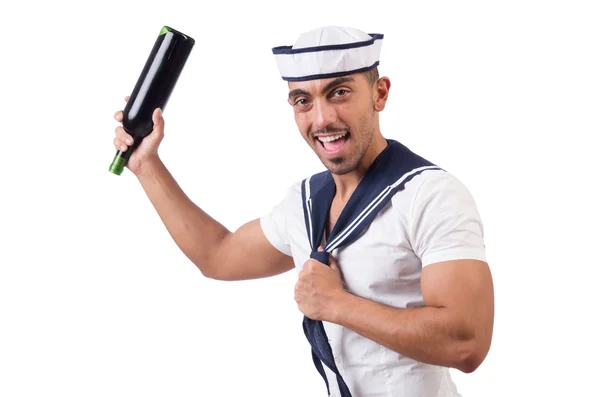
x=301 y=102
x=340 y=92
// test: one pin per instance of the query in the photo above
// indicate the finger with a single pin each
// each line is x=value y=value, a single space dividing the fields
x=120 y=145
x=127 y=98
x=123 y=136
x=299 y=288
x=311 y=266
x=303 y=273
x=320 y=249
x=119 y=116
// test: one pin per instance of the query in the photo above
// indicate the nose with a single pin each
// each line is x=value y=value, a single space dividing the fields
x=324 y=114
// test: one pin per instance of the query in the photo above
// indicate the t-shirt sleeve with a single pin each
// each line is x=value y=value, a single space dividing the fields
x=445 y=223
x=273 y=224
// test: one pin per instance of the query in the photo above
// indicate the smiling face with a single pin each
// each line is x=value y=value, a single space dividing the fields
x=337 y=117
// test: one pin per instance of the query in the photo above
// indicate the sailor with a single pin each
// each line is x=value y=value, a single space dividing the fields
x=392 y=274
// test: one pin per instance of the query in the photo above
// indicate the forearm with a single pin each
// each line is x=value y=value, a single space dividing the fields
x=429 y=334
x=194 y=231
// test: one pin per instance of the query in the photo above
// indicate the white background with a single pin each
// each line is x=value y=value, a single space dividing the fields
x=96 y=299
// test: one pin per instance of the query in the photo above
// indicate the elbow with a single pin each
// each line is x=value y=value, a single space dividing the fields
x=208 y=271
x=213 y=272
x=472 y=356
x=207 y=264
x=469 y=364
x=204 y=266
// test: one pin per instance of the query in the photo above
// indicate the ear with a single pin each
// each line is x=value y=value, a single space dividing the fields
x=381 y=90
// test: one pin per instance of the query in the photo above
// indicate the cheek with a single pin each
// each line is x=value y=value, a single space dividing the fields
x=361 y=118
x=348 y=115
x=303 y=124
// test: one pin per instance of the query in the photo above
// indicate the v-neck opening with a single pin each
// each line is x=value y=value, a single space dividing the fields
x=355 y=196
x=391 y=169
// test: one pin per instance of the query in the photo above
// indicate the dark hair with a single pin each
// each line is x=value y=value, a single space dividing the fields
x=372 y=75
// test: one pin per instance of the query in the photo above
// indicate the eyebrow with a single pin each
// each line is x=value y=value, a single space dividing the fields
x=296 y=92
x=329 y=86
x=338 y=81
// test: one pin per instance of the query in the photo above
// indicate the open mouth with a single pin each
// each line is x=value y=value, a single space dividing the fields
x=333 y=143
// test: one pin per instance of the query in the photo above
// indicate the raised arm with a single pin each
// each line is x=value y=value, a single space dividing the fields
x=217 y=252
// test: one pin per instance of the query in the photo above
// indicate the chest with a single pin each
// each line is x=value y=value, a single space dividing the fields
x=334 y=214
x=379 y=265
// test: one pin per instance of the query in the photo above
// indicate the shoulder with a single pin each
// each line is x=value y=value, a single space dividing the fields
x=433 y=190
x=443 y=220
x=292 y=195
x=439 y=182
x=434 y=182
x=275 y=222
x=292 y=199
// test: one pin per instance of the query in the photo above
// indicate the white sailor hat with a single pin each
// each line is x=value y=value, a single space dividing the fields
x=328 y=52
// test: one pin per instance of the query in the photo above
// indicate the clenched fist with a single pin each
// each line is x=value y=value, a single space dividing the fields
x=147 y=151
x=318 y=288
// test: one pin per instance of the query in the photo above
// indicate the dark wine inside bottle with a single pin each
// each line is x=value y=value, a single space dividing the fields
x=153 y=88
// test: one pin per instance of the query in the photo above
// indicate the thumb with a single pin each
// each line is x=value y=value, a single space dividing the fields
x=320 y=249
x=158 y=120
x=333 y=262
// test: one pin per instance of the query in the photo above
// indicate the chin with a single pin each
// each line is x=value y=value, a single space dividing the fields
x=339 y=166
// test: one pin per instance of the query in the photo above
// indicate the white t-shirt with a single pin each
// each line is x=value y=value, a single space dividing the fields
x=433 y=219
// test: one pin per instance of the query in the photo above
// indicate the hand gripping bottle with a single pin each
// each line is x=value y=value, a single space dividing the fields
x=153 y=88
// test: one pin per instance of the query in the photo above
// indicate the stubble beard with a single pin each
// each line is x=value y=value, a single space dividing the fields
x=345 y=165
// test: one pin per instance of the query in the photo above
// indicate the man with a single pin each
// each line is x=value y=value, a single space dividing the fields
x=411 y=295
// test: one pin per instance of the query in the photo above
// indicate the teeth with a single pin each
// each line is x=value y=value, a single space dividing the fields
x=331 y=138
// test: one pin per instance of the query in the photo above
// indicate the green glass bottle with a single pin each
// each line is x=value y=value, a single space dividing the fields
x=153 y=89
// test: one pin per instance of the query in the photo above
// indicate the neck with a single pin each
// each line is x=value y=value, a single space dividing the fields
x=347 y=183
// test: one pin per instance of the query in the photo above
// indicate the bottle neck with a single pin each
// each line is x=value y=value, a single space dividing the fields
x=121 y=158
